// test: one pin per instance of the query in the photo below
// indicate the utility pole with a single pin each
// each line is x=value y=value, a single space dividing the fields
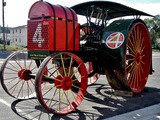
x=3 y=30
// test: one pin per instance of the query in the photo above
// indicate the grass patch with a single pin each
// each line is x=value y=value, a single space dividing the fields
x=11 y=48
x=155 y=50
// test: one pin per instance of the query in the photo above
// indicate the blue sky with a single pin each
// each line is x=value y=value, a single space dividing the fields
x=16 y=11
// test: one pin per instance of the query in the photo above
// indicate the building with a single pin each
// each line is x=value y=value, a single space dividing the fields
x=18 y=36
x=7 y=34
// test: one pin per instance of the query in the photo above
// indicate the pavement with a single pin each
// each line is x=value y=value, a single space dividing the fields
x=146 y=113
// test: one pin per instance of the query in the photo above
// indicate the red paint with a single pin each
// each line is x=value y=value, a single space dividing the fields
x=52 y=28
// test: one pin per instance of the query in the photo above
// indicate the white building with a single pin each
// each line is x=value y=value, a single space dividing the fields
x=18 y=36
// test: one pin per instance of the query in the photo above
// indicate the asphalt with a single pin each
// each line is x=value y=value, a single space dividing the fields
x=146 y=113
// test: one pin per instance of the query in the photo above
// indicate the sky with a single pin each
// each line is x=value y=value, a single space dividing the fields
x=16 y=11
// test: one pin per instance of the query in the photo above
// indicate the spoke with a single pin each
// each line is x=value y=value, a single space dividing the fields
x=14 y=86
x=81 y=97
x=142 y=62
x=73 y=94
x=21 y=89
x=138 y=39
x=62 y=61
x=133 y=38
x=130 y=41
x=141 y=44
x=139 y=75
x=18 y=63
x=11 y=69
x=25 y=58
x=55 y=93
x=10 y=78
x=141 y=67
x=34 y=68
x=131 y=55
x=29 y=87
x=136 y=76
x=77 y=87
x=32 y=83
x=70 y=66
x=130 y=59
x=133 y=65
x=10 y=73
x=51 y=74
x=142 y=50
x=142 y=56
x=75 y=71
x=132 y=77
x=69 y=104
x=56 y=70
x=132 y=50
x=130 y=64
x=13 y=66
x=77 y=78
x=60 y=100
x=30 y=64
x=49 y=89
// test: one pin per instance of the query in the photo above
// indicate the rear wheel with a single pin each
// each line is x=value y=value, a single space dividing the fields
x=66 y=83
x=137 y=61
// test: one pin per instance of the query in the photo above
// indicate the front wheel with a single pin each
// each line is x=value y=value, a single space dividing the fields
x=14 y=75
x=65 y=83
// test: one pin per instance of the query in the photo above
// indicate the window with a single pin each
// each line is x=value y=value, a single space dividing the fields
x=16 y=39
x=19 y=30
x=13 y=31
x=20 y=40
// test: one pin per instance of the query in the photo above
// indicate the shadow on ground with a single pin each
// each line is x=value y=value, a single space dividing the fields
x=99 y=103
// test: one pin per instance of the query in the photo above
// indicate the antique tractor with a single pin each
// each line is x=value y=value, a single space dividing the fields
x=64 y=56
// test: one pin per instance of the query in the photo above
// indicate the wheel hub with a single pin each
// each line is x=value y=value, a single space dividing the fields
x=137 y=58
x=58 y=81
x=24 y=74
x=64 y=83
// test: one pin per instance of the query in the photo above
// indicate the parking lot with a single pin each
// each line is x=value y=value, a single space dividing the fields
x=100 y=101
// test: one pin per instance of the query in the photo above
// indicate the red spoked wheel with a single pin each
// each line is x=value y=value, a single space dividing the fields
x=93 y=78
x=138 y=57
x=137 y=61
x=14 y=75
x=66 y=83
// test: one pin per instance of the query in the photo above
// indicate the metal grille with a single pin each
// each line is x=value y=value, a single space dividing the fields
x=38 y=35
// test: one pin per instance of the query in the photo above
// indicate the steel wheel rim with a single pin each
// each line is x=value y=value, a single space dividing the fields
x=16 y=86
x=138 y=57
x=56 y=97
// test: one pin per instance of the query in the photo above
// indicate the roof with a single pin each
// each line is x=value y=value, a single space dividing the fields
x=112 y=9
x=22 y=26
x=7 y=29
